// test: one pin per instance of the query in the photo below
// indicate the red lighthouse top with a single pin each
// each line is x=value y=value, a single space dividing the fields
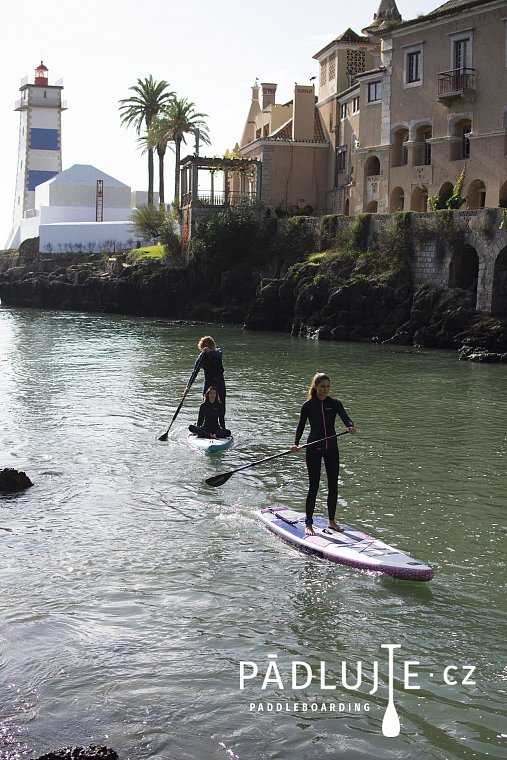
x=41 y=74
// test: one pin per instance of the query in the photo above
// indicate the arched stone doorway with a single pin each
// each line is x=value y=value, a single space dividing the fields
x=397 y=200
x=372 y=207
x=499 y=299
x=464 y=269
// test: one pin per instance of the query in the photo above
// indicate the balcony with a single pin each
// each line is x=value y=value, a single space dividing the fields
x=458 y=83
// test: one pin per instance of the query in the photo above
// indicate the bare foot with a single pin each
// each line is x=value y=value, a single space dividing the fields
x=309 y=531
x=333 y=525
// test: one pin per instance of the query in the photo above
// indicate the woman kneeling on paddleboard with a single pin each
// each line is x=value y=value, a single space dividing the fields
x=211 y=420
x=320 y=410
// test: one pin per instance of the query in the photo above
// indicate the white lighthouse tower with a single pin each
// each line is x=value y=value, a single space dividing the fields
x=40 y=140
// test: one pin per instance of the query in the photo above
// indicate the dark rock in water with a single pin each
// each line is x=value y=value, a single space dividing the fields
x=93 y=752
x=470 y=354
x=13 y=480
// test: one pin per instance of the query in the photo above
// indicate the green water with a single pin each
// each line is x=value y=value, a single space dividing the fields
x=131 y=591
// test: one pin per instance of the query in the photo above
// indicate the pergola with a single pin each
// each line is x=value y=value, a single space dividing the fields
x=241 y=179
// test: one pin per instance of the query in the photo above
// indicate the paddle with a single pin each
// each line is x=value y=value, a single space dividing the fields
x=163 y=437
x=219 y=480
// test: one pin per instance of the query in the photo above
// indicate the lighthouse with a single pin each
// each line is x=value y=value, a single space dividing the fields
x=40 y=139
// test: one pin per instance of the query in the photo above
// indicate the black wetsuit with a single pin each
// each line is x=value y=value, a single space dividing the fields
x=322 y=415
x=211 y=420
x=211 y=363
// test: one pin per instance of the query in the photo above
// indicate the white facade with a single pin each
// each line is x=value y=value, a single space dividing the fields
x=65 y=212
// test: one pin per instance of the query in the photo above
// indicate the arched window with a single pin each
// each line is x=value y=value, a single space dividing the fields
x=372 y=207
x=422 y=146
x=397 y=200
x=399 y=151
x=419 y=200
x=445 y=193
x=372 y=167
x=476 y=196
x=460 y=140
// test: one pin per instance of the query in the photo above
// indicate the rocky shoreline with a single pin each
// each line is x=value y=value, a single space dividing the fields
x=345 y=302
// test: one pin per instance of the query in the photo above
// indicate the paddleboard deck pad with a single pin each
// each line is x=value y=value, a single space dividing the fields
x=352 y=547
x=210 y=445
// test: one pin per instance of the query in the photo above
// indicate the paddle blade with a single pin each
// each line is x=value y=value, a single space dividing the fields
x=219 y=480
x=164 y=436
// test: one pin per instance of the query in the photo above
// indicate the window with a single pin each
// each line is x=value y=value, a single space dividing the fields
x=332 y=68
x=343 y=111
x=413 y=73
x=427 y=148
x=374 y=91
x=323 y=72
x=461 y=50
x=341 y=159
x=355 y=105
x=460 y=54
x=465 y=141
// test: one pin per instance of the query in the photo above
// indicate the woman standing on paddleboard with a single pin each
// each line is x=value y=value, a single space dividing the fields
x=209 y=360
x=320 y=411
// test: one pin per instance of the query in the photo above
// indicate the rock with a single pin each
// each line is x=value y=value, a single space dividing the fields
x=93 y=752
x=423 y=304
x=467 y=353
x=14 y=480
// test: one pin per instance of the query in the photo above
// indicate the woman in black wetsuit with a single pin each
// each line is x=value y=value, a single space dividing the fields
x=209 y=360
x=320 y=410
x=211 y=420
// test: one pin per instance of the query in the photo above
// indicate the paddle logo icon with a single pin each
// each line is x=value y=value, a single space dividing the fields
x=391 y=721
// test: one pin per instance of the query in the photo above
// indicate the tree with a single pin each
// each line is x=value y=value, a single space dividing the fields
x=140 y=109
x=158 y=137
x=147 y=220
x=177 y=120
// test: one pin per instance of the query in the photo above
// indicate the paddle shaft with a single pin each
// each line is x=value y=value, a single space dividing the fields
x=288 y=451
x=163 y=437
x=219 y=480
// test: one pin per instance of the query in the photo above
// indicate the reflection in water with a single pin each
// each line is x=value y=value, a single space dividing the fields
x=132 y=590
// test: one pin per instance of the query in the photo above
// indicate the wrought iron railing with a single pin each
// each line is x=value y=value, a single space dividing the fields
x=456 y=82
x=217 y=198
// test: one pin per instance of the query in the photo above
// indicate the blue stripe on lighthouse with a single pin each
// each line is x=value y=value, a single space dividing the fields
x=36 y=177
x=44 y=139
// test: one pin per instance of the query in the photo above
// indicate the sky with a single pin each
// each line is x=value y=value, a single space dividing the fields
x=209 y=52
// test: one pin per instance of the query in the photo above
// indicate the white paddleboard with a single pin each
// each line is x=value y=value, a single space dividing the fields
x=352 y=547
x=210 y=445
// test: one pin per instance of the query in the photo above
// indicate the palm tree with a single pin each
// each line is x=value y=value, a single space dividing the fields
x=148 y=99
x=158 y=137
x=181 y=118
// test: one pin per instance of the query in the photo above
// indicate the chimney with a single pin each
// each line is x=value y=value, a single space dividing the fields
x=303 y=119
x=268 y=95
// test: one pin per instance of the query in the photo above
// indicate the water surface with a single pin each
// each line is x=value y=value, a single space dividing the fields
x=131 y=591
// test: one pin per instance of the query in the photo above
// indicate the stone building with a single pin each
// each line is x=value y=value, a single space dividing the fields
x=400 y=110
x=429 y=110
